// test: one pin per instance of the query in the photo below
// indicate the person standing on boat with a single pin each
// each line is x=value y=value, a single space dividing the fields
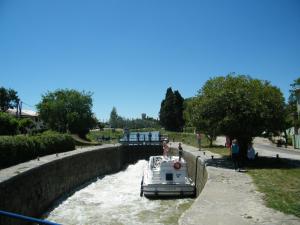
x=180 y=151
x=165 y=149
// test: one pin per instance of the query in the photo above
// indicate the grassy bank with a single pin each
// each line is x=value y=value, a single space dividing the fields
x=187 y=138
x=219 y=150
x=279 y=182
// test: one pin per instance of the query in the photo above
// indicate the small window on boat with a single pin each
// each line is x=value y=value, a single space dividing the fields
x=169 y=176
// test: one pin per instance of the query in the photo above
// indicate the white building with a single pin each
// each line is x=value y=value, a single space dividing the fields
x=27 y=113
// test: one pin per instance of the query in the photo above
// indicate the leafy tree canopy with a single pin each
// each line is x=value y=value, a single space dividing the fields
x=239 y=107
x=68 y=110
x=188 y=105
x=114 y=117
x=8 y=124
x=291 y=107
x=8 y=99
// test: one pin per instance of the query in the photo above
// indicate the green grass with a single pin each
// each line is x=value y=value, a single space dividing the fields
x=113 y=135
x=187 y=138
x=219 y=150
x=79 y=142
x=190 y=139
x=281 y=188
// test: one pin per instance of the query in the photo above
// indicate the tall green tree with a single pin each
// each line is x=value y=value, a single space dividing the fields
x=171 y=111
x=188 y=106
x=179 y=107
x=117 y=121
x=203 y=124
x=8 y=99
x=240 y=107
x=114 y=118
x=291 y=108
x=68 y=110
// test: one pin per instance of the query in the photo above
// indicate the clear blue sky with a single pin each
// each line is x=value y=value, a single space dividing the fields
x=128 y=52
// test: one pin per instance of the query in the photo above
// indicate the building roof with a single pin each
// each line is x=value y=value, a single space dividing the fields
x=24 y=112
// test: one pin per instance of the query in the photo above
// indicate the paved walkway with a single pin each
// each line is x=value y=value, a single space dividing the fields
x=231 y=198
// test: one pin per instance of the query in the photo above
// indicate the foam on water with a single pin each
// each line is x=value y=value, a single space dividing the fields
x=115 y=199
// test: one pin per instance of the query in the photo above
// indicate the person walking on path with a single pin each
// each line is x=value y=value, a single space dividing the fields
x=180 y=151
x=235 y=150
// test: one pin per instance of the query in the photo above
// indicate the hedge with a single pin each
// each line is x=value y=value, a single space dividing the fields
x=20 y=148
x=8 y=124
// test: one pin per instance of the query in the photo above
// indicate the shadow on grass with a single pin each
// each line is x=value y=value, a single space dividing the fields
x=258 y=163
x=213 y=146
x=223 y=162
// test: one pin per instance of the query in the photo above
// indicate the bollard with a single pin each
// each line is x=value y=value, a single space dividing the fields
x=212 y=157
x=203 y=153
x=277 y=156
x=38 y=158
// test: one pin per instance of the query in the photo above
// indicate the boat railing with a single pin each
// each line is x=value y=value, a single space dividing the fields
x=26 y=218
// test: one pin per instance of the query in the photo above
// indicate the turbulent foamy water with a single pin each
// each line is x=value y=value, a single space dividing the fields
x=115 y=199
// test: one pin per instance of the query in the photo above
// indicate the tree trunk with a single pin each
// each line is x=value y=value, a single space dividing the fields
x=210 y=138
x=286 y=138
x=210 y=142
x=243 y=143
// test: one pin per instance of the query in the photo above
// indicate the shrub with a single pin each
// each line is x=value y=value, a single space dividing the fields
x=25 y=125
x=189 y=129
x=17 y=149
x=8 y=124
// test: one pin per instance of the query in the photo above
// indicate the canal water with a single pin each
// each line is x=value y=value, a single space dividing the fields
x=115 y=200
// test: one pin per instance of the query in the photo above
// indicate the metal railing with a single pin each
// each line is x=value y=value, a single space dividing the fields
x=142 y=138
x=26 y=218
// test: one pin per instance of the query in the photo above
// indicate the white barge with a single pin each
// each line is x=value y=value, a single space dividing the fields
x=167 y=176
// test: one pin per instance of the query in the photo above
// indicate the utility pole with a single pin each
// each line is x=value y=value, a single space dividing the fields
x=20 y=108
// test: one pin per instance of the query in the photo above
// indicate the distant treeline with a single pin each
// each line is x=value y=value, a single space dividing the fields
x=117 y=121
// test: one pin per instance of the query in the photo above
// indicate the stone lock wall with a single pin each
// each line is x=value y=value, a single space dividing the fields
x=196 y=168
x=31 y=191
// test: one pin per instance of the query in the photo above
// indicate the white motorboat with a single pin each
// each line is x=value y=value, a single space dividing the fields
x=167 y=176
